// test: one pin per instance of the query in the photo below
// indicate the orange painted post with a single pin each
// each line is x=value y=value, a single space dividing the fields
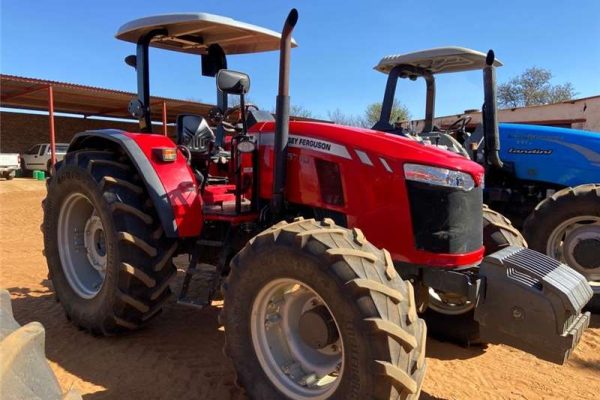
x=164 y=118
x=52 y=132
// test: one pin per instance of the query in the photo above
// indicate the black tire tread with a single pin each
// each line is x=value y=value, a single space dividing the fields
x=550 y=205
x=142 y=288
x=497 y=224
x=397 y=326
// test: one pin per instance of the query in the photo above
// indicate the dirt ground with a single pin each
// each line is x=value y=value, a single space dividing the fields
x=179 y=355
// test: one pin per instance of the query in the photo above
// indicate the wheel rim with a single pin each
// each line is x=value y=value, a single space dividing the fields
x=297 y=369
x=82 y=245
x=449 y=303
x=576 y=242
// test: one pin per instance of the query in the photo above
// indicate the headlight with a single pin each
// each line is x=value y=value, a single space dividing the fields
x=438 y=176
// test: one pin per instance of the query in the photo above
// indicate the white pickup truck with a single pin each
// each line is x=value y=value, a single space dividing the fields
x=9 y=164
x=38 y=156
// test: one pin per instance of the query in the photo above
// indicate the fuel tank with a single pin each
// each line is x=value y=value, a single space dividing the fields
x=359 y=174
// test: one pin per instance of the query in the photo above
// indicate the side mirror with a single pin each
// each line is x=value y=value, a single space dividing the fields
x=131 y=61
x=233 y=82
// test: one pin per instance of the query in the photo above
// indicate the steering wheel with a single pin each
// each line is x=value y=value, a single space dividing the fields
x=230 y=127
x=459 y=125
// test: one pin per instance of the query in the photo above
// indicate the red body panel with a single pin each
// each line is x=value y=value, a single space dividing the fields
x=179 y=182
x=371 y=169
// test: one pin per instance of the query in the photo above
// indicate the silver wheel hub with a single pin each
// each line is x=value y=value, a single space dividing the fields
x=576 y=242
x=82 y=245
x=95 y=243
x=449 y=303
x=302 y=362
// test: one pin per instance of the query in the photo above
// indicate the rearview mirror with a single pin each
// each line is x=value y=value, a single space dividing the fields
x=131 y=61
x=233 y=82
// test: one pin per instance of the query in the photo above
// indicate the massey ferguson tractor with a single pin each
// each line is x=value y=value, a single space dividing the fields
x=312 y=308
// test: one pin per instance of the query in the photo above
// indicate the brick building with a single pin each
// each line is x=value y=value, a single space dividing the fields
x=581 y=113
x=25 y=102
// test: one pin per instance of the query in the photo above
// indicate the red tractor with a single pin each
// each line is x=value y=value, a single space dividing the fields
x=312 y=309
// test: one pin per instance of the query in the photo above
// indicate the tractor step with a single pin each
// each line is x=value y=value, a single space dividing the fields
x=210 y=243
x=201 y=277
x=532 y=302
x=194 y=303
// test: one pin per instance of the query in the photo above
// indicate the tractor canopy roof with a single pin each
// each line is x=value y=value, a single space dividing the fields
x=194 y=32
x=437 y=61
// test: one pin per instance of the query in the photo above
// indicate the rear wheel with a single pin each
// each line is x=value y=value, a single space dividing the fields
x=9 y=175
x=450 y=316
x=314 y=311
x=108 y=259
x=566 y=226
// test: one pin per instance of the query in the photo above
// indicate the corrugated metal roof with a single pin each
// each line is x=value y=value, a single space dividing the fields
x=31 y=94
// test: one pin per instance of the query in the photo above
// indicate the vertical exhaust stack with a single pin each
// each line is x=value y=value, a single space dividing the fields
x=282 y=114
x=490 y=112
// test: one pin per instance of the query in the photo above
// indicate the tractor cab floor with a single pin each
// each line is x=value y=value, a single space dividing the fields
x=220 y=200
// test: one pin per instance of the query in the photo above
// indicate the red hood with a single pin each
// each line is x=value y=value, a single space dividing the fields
x=384 y=144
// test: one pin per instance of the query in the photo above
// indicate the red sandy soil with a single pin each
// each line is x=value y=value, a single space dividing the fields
x=179 y=355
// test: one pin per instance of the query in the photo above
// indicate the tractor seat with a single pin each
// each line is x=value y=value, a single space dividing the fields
x=194 y=133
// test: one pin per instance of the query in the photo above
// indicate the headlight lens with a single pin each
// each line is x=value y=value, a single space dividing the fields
x=438 y=176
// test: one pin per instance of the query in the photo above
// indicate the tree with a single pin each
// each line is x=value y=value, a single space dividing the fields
x=373 y=112
x=341 y=118
x=370 y=116
x=532 y=88
x=300 y=111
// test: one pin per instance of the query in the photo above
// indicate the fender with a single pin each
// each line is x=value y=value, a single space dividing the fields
x=172 y=186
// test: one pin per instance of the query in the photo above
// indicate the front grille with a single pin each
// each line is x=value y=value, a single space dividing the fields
x=446 y=220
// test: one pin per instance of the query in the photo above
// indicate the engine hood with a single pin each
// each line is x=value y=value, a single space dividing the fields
x=358 y=141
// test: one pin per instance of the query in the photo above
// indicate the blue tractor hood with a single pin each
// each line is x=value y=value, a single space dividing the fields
x=561 y=156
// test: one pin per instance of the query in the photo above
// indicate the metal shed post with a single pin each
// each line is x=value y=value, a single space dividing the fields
x=51 y=120
x=164 y=117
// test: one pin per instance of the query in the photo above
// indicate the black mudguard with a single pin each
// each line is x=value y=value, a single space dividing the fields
x=532 y=302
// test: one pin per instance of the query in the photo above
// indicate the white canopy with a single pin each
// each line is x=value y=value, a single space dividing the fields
x=194 y=32
x=438 y=60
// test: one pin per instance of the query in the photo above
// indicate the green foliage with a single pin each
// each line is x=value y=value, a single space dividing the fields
x=532 y=88
x=370 y=116
x=399 y=113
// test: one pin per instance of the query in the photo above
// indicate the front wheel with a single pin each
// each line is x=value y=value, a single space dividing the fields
x=314 y=311
x=450 y=316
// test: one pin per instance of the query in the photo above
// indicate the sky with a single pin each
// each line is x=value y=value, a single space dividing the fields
x=339 y=44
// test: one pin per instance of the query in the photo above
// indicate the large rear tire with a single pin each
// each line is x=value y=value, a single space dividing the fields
x=295 y=277
x=566 y=226
x=108 y=258
x=451 y=317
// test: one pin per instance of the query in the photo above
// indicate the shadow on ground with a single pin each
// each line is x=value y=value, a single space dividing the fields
x=178 y=356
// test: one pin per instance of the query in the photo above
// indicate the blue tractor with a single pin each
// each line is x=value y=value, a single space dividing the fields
x=549 y=184
x=546 y=180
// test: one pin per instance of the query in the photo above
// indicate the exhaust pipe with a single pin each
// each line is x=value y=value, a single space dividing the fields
x=490 y=112
x=282 y=114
